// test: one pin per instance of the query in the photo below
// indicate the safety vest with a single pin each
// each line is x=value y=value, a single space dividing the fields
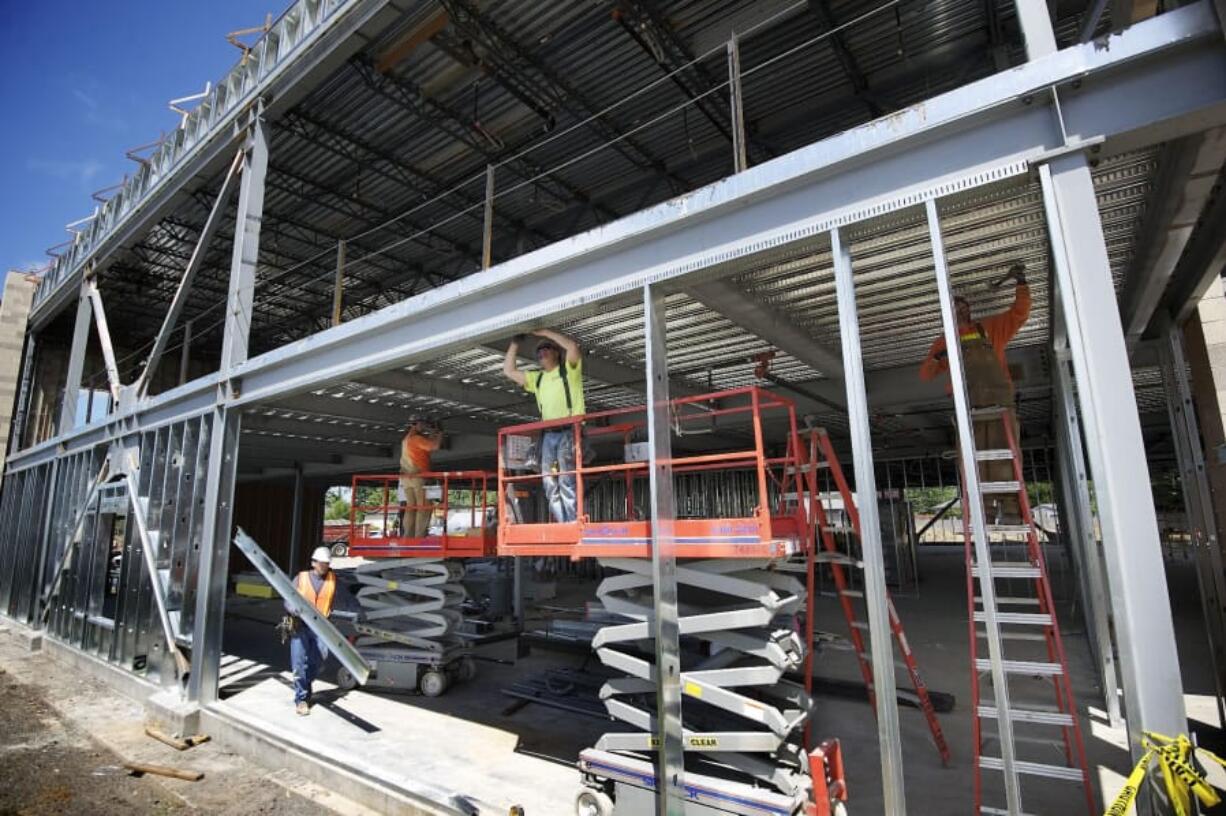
x=322 y=602
x=986 y=382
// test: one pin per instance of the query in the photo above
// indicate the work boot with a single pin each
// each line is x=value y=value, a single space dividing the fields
x=303 y=709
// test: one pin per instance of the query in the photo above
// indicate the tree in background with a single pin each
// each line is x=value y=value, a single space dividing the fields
x=335 y=505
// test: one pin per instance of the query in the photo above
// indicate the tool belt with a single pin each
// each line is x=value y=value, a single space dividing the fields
x=987 y=383
x=287 y=627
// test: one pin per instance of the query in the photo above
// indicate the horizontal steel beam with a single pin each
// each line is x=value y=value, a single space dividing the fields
x=1156 y=80
x=770 y=324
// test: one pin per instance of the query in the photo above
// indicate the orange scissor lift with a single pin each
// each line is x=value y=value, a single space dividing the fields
x=410 y=592
x=740 y=600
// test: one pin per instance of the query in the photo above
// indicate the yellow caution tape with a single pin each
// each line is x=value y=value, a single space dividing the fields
x=1180 y=774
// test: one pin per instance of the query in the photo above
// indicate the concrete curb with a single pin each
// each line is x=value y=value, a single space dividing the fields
x=274 y=752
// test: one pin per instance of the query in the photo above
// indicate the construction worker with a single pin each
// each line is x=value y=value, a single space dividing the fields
x=307 y=652
x=558 y=387
x=988 y=383
x=422 y=440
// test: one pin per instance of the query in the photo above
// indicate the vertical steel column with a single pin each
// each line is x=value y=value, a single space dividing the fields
x=1082 y=541
x=487 y=229
x=295 y=524
x=740 y=153
x=104 y=343
x=246 y=255
x=214 y=557
x=76 y=362
x=1035 y=22
x=338 y=288
x=881 y=642
x=1149 y=663
x=1198 y=501
x=186 y=351
x=973 y=504
x=670 y=762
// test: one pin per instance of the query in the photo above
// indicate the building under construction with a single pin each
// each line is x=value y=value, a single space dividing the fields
x=802 y=578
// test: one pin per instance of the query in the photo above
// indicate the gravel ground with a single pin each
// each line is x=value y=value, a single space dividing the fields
x=64 y=738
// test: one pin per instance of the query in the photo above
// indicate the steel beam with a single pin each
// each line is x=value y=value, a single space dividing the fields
x=338 y=287
x=1158 y=78
x=185 y=352
x=295 y=523
x=968 y=461
x=1149 y=663
x=670 y=758
x=876 y=599
x=767 y=322
x=241 y=293
x=1198 y=504
x=1079 y=531
x=1035 y=22
x=76 y=364
x=212 y=571
x=1187 y=175
x=104 y=340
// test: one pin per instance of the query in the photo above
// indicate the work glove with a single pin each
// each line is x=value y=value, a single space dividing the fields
x=519 y=339
x=1017 y=273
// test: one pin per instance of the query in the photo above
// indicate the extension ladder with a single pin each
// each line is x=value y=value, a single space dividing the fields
x=821 y=456
x=1035 y=624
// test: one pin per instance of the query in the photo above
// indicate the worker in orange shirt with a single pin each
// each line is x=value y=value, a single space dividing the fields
x=422 y=440
x=988 y=383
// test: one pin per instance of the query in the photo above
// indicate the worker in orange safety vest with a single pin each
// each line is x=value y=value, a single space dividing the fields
x=415 y=513
x=307 y=652
x=988 y=383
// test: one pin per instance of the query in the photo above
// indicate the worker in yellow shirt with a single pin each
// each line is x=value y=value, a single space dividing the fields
x=558 y=387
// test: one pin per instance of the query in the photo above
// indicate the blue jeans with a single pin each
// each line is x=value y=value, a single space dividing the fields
x=558 y=453
x=307 y=654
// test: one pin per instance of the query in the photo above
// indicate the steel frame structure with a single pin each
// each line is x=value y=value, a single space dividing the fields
x=1158 y=80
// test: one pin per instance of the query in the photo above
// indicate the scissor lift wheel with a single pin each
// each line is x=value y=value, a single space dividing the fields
x=344 y=680
x=591 y=802
x=433 y=683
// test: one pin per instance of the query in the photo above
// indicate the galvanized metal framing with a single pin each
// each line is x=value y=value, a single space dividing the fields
x=1155 y=81
x=213 y=560
x=1149 y=664
x=973 y=504
x=736 y=106
x=76 y=364
x=1079 y=527
x=875 y=593
x=241 y=295
x=670 y=758
x=1035 y=22
x=1198 y=503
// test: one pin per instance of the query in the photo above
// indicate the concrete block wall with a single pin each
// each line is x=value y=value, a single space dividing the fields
x=15 y=305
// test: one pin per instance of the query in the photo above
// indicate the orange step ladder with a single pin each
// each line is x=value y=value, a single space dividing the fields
x=821 y=456
x=1017 y=627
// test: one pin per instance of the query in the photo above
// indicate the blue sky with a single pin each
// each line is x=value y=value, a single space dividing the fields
x=82 y=82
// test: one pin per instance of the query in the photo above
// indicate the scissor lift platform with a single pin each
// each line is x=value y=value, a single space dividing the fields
x=464 y=502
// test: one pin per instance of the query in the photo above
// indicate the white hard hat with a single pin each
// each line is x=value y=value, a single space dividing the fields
x=322 y=554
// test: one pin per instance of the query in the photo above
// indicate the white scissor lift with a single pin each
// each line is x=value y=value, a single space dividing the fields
x=743 y=740
x=409 y=626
